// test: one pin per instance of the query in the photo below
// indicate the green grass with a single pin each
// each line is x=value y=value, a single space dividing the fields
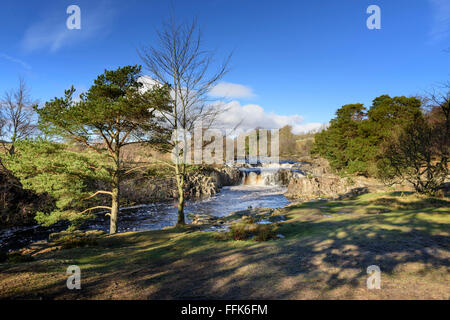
x=326 y=249
x=376 y=212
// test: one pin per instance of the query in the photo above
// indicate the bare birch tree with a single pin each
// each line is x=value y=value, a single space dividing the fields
x=16 y=113
x=180 y=61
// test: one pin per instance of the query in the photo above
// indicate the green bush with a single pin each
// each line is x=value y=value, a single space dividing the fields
x=241 y=231
x=75 y=239
x=74 y=242
x=245 y=231
x=265 y=232
x=66 y=176
x=351 y=143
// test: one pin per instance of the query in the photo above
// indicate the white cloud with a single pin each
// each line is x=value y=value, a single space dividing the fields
x=15 y=60
x=252 y=116
x=441 y=20
x=51 y=32
x=148 y=82
x=231 y=90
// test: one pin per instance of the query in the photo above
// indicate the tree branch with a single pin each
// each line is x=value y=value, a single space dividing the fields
x=99 y=192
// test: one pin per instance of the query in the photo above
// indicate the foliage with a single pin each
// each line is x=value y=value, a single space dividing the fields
x=67 y=176
x=114 y=105
x=75 y=240
x=351 y=142
x=288 y=143
x=419 y=151
x=246 y=230
x=114 y=113
x=18 y=205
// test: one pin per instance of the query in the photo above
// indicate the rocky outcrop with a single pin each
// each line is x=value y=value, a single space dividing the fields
x=316 y=167
x=320 y=182
x=206 y=183
x=260 y=215
x=199 y=184
x=142 y=190
x=325 y=186
x=284 y=176
x=18 y=205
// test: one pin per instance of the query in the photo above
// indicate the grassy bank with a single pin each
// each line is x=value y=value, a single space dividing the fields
x=327 y=248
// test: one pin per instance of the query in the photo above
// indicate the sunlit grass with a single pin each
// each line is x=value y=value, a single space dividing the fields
x=332 y=236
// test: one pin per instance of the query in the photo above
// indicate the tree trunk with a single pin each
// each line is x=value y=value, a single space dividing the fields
x=12 y=149
x=114 y=210
x=181 y=220
x=115 y=193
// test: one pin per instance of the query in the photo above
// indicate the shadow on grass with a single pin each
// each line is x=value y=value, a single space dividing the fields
x=317 y=256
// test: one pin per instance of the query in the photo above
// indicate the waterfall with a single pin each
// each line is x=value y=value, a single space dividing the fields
x=266 y=177
x=252 y=178
x=269 y=175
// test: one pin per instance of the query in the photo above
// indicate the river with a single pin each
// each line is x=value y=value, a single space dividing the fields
x=160 y=215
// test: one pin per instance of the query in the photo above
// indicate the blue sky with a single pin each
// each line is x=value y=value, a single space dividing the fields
x=294 y=62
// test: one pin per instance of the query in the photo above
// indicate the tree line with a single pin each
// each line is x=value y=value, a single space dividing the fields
x=396 y=139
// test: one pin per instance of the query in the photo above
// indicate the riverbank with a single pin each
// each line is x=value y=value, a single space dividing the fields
x=157 y=215
x=324 y=253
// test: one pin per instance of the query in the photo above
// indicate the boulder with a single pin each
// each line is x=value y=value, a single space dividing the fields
x=202 y=219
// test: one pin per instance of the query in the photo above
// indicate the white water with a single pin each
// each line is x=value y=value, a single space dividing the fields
x=265 y=177
x=268 y=174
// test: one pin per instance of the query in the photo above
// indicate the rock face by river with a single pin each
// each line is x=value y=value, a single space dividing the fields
x=314 y=187
x=319 y=182
x=206 y=183
x=199 y=184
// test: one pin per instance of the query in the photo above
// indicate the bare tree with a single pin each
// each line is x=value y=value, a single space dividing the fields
x=16 y=113
x=438 y=101
x=439 y=117
x=288 y=141
x=180 y=61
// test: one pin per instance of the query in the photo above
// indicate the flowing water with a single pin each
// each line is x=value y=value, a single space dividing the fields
x=229 y=199
x=259 y=188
